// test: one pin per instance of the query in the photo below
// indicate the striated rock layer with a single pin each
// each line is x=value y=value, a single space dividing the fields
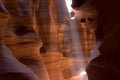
x=39 y=40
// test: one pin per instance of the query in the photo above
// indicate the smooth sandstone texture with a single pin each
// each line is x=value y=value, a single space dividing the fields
x=25 y=29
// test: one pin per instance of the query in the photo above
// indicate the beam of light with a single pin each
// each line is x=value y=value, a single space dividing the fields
x=83 y=75
x=76 y=45
x=75 y=39
x=72 y=18
x=68 y=3
x=77 y=50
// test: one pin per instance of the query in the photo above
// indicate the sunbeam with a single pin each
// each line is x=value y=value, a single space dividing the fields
x=77 y=46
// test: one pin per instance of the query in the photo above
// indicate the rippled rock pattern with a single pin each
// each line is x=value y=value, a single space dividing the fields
x=39 y=41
